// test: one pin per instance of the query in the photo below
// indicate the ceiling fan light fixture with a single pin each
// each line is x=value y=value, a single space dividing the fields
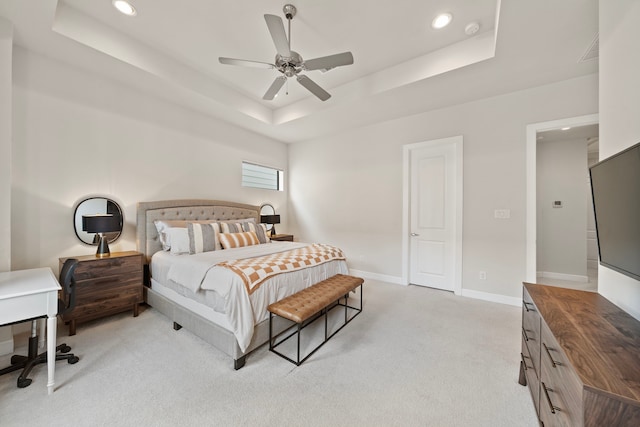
x=441 y=21
x=124 y=7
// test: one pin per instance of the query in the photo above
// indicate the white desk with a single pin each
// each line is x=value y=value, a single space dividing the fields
x=26 y=294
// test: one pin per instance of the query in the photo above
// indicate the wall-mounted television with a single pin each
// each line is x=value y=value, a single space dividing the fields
x=615 y=186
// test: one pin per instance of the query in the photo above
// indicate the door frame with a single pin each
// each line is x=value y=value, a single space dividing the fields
x=531 y=195
x=458 y=142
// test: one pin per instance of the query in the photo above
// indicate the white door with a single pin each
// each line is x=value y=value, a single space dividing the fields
x=435 y=215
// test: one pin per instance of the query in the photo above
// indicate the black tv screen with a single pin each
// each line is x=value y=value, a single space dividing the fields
x=615 y=185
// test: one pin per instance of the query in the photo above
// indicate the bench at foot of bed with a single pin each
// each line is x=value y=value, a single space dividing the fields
x=311 y=303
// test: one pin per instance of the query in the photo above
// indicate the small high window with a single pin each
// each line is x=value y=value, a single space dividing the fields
x=258 y=176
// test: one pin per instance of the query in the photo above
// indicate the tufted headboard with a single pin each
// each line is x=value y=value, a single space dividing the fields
x=190 y=209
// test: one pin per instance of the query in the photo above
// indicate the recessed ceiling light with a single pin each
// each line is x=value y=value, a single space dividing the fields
x=441 y=20
x=124 y=7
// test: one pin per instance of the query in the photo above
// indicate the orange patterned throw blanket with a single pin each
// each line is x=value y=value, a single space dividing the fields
x=254 y=271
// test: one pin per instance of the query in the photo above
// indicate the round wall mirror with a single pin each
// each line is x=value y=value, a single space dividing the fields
x=92 y=206
x=267 y=209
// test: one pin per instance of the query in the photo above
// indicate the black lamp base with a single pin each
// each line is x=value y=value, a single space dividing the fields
x=103 y=247
x=273 y=230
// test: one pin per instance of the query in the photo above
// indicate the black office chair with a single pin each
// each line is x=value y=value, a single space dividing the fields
x=65 y=304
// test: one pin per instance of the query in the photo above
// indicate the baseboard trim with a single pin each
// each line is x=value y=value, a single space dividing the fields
x=486 y=296
x=469 y=293
x=563 y=276
x=6 y=347
x=376 y=276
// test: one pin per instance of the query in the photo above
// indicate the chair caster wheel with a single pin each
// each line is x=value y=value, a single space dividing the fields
x=65 y=349
x=73 y=360
x=24 y=383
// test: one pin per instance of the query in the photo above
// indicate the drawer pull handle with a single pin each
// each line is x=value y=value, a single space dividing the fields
x=546 y=393
x=524 y=334
x=524 y=362
x=526 y=305
x=553 y=362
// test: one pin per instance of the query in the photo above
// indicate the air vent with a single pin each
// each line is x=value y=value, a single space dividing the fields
x=593 y=51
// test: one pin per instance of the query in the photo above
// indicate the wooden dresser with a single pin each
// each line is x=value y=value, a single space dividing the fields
x=106 y=286
x=580 y=358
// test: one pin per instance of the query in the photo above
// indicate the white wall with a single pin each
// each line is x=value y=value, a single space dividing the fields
x=346 y=189
x=562 y=176
x=6 y=48
x=619 y=112
x=77 y=134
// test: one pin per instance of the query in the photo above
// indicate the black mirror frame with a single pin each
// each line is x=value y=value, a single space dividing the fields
x=273 y=212
x=111 y=237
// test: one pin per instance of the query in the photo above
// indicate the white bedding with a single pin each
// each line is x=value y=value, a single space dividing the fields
x=243 y=311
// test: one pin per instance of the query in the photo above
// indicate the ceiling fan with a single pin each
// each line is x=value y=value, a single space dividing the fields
x=289 y=62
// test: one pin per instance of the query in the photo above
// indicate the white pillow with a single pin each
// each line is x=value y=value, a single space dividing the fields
x=179 y=238
x=163 y=226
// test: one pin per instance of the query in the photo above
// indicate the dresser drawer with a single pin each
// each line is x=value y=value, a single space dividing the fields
x=531 y=329
x=532 y=376
x=560 y=386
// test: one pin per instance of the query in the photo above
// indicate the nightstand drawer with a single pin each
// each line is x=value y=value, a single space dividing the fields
x=101 y=267
x=106 y=287
x=115 y=300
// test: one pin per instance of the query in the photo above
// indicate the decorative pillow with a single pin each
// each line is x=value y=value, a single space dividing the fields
x=250 y=225
x=163 y=226
x=260 y=230
x=203 y=237
x=235 y=225
x=179 y=238
x=237 y=240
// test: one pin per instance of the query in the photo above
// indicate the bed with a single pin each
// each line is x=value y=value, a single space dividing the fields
x=203 y=292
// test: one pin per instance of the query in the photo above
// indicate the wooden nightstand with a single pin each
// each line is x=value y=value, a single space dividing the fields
x=106 y=286
x=282 y=237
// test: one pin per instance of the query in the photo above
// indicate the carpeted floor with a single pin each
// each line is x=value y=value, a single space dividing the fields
x=414 y=357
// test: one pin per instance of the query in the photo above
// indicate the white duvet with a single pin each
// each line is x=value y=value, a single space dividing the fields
x=244 y=311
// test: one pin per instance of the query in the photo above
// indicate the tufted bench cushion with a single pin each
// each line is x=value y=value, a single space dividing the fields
x=304 y=304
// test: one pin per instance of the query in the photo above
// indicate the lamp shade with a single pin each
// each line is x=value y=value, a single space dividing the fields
x=100 y=223
x=270 y=219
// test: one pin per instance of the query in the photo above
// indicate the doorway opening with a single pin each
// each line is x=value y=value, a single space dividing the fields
x=561 y=243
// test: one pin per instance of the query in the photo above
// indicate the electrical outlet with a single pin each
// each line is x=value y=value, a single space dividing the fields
x=483 y=275
x=502 y=213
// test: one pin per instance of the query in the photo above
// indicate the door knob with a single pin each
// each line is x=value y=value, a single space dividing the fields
x=414 y=234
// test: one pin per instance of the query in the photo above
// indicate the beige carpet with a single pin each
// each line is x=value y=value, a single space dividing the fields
x=414 y=357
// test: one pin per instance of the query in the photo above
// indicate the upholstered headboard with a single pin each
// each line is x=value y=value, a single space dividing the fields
x=190 y=209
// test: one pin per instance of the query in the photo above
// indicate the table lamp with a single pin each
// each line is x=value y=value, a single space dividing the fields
x=270 y=219
x=101 y=224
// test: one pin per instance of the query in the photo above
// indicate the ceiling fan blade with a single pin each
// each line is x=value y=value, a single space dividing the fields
x=313 y=88
x=329 y=62
x=274 y=88
x=279 y=36
x=245 y=63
